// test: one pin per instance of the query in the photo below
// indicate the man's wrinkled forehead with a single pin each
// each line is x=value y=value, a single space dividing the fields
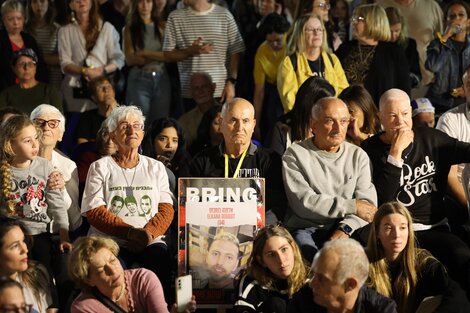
x=397 y=105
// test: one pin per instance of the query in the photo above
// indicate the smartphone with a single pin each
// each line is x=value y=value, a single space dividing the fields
x=184 y=291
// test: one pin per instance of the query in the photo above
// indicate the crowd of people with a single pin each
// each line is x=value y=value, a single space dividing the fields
x=104 y=105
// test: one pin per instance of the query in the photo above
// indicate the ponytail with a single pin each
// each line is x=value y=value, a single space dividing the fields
x=5 y=171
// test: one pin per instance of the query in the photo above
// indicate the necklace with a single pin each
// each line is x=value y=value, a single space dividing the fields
x=120 y=293
x=128 y=189
x=370 y=51
x=409 y=151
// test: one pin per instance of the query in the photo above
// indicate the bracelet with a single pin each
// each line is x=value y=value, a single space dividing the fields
x=84 y=70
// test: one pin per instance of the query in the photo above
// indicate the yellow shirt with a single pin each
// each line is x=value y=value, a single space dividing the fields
x=267 y=63
x=288 y=81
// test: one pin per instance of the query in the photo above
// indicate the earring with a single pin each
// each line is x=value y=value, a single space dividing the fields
x=73 y=19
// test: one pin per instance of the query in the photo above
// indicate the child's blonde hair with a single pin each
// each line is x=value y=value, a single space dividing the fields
x=9 y=130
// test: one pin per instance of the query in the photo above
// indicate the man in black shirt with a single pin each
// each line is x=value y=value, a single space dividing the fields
x=238 y=157
x=411 y=165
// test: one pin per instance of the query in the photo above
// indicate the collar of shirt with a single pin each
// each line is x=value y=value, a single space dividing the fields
x=251 y=149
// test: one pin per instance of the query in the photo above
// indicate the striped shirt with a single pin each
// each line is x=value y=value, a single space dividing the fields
x=46 y=37
x=215 y=26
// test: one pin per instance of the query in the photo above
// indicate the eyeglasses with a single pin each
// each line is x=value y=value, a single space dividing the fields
x=22 y=309
x=51 y=123
x=357 y=19
x=123 y=127
x=323 y=6
x=314 y=30
x=25 y=65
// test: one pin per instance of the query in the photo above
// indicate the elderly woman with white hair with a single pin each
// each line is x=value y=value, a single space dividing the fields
x=65 y=177
x=127 y=197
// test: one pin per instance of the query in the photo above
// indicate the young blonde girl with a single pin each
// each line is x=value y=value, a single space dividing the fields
x=405 y=273
x=24 y=190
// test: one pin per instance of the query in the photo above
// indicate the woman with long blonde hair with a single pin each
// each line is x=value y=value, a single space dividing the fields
x=307 y=55
x=276 y=271
x=405 y=273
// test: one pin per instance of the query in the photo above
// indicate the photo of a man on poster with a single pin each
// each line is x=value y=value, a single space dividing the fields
x=221 y=261
x=218 y=219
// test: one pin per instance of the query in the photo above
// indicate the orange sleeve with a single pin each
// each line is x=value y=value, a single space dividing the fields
x=108 y=223
x=159 y=224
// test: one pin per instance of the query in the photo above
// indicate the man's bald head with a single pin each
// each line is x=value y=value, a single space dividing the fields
x=393 y=96
x=238 y=103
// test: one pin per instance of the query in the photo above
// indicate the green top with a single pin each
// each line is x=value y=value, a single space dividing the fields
x=27 y=100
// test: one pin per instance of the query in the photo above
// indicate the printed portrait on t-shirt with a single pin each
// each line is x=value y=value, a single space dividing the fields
x=146 y=204
x=131 y=205
x=117 y=202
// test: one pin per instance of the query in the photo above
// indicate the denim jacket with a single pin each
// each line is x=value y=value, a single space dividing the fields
x=443 y=61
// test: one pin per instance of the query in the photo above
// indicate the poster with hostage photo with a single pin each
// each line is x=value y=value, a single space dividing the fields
x=218 y=220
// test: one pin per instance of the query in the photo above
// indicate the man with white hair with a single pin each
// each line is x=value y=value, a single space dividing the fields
x=339 y=271
x=327 y=181
x=411 y=165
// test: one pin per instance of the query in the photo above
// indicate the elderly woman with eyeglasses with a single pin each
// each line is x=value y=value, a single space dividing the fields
x=307 y=55
x=29 y=92
x=321 y=8
x=371 y=59
x=127 y=197
x=65 y=177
